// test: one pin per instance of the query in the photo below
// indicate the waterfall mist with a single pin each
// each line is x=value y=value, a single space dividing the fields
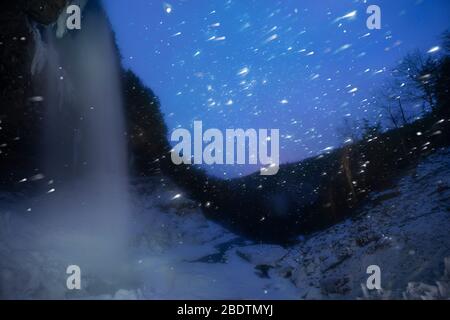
x=84 y=153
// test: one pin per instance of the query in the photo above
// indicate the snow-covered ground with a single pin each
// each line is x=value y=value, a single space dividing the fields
x=174 y=252
x=404 y=230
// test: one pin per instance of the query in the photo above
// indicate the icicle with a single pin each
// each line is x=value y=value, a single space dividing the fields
x=40 y=51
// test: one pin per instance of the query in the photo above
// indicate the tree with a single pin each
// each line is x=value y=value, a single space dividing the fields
x=349 y=130
x=443 y=75
x=389 y=98
x=446 y=41
x=370 y=131
x=146 y=129
x=419 y=74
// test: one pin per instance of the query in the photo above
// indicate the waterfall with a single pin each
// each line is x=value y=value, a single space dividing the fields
x=84 y=153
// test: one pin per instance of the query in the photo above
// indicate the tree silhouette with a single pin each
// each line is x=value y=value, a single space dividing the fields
x=419 y=73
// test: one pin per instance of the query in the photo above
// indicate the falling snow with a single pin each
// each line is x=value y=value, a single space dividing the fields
x=232 y=64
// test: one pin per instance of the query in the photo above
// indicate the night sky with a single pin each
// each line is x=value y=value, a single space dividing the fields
x=299 y=66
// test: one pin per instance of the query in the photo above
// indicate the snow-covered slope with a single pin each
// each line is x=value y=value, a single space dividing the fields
x=404 y=230
x=176 y=253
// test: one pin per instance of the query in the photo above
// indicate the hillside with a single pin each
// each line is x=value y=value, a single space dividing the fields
x=174 y=252
x=314 y=193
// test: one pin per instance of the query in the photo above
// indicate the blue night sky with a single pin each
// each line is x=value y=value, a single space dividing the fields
x=291 y=65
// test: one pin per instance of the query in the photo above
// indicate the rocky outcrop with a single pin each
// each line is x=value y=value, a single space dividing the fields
x=44 y=11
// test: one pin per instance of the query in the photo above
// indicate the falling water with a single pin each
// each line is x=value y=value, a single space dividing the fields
x=85 y=149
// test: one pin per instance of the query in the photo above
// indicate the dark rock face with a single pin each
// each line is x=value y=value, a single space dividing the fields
x=45 y=11
x=20 y=114
x=22 y=103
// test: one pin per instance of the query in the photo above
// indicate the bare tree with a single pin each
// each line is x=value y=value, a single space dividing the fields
x=370 y=130
x=349 y=130
x=446 y=41
x=418 y=74
x=443 y=75
x=389 y=99
x=402 y=111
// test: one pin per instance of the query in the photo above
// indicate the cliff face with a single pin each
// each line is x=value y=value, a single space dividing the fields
x=22 y=98
x=20 y=114
x=44 y=11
